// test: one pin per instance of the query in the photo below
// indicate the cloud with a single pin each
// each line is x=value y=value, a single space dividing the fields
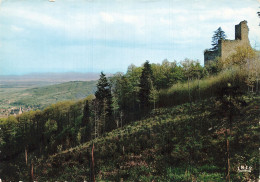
x=34 y=17
x=142 y=23
x=107 y=18
x=16 y=29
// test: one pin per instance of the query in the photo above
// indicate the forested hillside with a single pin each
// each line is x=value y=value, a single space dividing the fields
x=32 y=95
x=182 y=143
x=44 y=96
x=163 y=122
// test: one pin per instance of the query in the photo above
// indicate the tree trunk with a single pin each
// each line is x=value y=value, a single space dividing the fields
x=121 y=118
x=154 y=102
x=25 y=152
x=199 y=86
x=256 y=90
x=189 y=89
x=93 y=162
x=228 y=161
x=228 y=133
x=32 y=173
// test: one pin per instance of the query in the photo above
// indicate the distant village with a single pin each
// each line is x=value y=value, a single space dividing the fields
x=13 y=111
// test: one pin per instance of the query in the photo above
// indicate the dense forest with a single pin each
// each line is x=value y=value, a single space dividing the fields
x=164 y=122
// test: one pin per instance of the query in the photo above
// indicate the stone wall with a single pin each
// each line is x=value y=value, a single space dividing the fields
x=228 y=47
x=210 y=55
x=241 y=31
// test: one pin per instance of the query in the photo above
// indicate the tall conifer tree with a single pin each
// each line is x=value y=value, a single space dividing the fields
x=86 y=122
x=104 y=98
x=219 y=34
x=145 y=86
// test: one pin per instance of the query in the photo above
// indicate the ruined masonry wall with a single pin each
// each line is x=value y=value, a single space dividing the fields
x=228 y=47
x=210 y=55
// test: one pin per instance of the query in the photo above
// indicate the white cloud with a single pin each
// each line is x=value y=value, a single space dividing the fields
x=119 y=18
x=165 y=21
x=16 y=28
x=143 y=23
x=35 y=17
x=107 y=18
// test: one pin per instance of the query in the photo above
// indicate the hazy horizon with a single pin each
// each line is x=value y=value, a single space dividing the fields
x=51 y=73
x=51 y=77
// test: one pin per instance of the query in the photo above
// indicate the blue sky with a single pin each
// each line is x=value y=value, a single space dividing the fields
x=109 y=35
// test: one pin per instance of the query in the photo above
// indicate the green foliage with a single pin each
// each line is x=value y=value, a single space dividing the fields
x=230 y=103
x=125 y=89
x=130 y=95
x=247 y=60
x=200 y=89
x=146 y=81
x=51 y=126
x=86 y=124
x=213 y=67
x=182 y=143
x=55 y=126
x=216 y=177
x=167 y=74
x=103 y=88
x=153 y=97
x=104 y=104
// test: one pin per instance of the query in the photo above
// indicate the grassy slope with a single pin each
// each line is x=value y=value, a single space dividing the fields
x=200 y=89
x=174 y=144
x=46 y=95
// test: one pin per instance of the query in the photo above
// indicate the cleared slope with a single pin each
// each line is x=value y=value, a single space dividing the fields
x=182 y=143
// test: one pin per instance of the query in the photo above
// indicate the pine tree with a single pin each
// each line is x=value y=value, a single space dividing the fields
x=103 y=88
x=145 y=86
x=219 y=34
x=104 y=98
x=86 y=124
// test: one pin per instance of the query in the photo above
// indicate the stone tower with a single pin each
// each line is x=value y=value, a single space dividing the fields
x=241 y=31
x=228 y=47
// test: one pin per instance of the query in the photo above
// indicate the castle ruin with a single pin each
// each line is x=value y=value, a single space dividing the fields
x=228 y=47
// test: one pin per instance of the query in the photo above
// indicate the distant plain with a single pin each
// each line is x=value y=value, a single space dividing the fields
x=39 y=91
